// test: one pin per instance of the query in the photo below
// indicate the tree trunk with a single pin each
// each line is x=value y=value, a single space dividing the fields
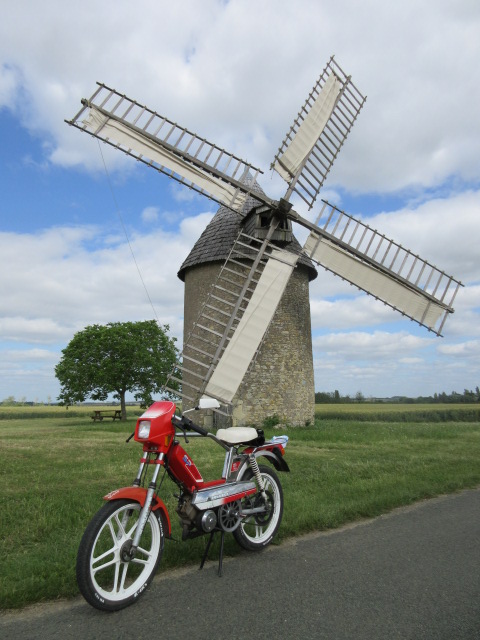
x=122 y=406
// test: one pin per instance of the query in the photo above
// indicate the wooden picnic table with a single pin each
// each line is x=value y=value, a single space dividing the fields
x=99 y=414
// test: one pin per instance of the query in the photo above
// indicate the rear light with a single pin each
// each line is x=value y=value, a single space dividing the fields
x=282 y=441
x=143 y=429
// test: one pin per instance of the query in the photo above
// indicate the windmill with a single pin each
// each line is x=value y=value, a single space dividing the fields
x=234 y=318
x=281 y=386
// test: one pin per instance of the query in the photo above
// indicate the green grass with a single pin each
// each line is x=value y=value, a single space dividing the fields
x=384 y=412
x=55 y=470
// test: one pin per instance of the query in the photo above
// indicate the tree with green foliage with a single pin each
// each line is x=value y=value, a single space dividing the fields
x=115 y=358
x=359 y=397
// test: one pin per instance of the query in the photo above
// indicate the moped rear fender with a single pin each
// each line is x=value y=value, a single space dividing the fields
x=139 y=494
x=273 y=456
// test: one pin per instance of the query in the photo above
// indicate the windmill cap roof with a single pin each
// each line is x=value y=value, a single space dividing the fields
x=217 y=239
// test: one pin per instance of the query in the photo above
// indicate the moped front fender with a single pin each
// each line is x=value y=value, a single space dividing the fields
x=139 y=494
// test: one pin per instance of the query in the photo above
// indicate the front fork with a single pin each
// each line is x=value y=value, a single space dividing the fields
x=145 y=511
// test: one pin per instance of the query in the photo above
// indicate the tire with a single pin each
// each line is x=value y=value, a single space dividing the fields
x=105 y=580
x=257 y=531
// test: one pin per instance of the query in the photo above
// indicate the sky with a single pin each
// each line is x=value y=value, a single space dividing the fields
x=89 y=236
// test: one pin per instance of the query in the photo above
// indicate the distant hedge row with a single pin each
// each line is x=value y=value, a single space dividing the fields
x=33 y=413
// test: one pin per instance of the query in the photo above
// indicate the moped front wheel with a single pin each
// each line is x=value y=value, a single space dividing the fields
x=257 y=531
x=107 y=578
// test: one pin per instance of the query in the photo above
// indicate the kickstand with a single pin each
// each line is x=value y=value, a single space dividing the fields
x=220 y=559
x=207 y=549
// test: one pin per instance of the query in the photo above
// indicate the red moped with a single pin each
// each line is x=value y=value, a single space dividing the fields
x=122 y=546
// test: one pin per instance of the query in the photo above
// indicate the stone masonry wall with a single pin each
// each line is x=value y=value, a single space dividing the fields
x=281 y=382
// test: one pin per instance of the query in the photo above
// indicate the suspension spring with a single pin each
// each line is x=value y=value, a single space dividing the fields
x=256 y=470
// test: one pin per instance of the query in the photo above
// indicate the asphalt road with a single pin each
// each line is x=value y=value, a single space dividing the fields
x=413 y=574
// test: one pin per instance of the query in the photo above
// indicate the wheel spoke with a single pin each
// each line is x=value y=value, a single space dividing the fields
x=144 y=551
x=103 y=566
x=120 y=534
x=140 y=561
x=115 y=579
x=104 y=555
x=124 y=576
x=129 y=533
x=123 y=522
x=113 y=533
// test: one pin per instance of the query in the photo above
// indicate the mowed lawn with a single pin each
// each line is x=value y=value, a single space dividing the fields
x=55 y=466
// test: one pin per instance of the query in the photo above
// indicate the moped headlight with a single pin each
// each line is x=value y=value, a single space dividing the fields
x=143 y=429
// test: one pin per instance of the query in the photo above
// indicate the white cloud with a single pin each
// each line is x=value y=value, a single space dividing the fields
x=28 y=355
x=33 y=331
x=467 y=350
x=371 y=346
x=383 y=364
x=347 y=313
x=150 y=214
x=191 y=228
x=72 y=278
x=28 y=373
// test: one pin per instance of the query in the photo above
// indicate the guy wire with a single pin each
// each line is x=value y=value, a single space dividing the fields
x=125 y=230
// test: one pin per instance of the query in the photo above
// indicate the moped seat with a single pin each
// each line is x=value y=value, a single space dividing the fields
x=237 y=435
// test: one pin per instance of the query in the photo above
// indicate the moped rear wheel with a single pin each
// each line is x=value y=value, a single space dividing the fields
x=257 y=531
x=106 y=577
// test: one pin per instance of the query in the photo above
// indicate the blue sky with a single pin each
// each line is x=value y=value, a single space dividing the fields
x=236 y=73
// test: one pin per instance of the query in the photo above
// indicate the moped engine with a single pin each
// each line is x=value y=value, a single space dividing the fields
x=215 y=506
x=206 y=520
x=191 y=518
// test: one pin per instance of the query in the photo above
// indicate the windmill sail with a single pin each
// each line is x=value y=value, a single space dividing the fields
x=167 y=147
x=255 y=321
x=307 y=134
x=381 y=267
x=309 y=149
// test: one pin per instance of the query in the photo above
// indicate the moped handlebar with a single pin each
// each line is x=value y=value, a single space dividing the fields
x=185 y=423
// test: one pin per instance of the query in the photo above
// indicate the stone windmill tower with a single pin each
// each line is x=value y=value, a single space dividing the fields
x=238 y=349
x=281 y=382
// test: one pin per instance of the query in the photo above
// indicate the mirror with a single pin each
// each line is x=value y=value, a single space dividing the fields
x=208 y=403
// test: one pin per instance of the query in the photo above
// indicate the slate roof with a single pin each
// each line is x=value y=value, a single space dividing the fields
x=218 y=237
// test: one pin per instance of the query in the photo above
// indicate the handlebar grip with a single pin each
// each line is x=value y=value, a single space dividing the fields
x=197 y=428
x=184 y=422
